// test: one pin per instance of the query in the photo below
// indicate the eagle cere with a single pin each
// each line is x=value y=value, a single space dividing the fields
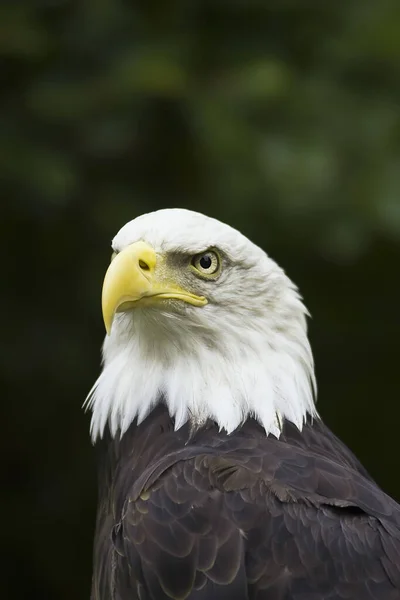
x=217 y=477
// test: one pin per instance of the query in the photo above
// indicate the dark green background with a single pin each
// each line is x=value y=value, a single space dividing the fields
x=280 y=117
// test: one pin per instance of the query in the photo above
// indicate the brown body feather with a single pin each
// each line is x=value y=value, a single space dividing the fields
x=212 y=516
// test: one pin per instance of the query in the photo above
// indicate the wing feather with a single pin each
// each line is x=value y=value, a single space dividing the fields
x=246 y=517
x=231 y=531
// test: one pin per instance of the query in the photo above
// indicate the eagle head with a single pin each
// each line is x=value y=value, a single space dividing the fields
x=201 y=319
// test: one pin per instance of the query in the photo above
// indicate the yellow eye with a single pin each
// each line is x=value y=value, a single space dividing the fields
x=207 y=263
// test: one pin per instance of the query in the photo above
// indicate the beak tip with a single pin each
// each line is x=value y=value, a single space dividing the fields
x=108 y=326
x=108 y=321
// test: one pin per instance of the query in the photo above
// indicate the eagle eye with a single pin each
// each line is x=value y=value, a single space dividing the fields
x=206 y=263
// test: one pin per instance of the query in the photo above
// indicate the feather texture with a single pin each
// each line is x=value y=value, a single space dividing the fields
x=241 y=516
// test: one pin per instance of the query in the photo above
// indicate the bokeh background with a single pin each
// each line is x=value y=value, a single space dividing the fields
x=281 y=117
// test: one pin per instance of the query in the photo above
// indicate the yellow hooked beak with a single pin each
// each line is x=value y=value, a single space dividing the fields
x=132 y=279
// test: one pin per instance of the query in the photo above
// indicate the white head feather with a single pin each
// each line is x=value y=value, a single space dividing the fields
x=245 y=354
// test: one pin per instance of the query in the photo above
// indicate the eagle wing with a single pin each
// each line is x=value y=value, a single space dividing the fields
x=258 y=522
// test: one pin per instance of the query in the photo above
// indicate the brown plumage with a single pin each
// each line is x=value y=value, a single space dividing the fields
x=240 y=516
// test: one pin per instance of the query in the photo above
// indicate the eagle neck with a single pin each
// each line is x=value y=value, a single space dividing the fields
x=225 y=378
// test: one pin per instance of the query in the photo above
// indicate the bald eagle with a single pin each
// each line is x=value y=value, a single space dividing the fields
x=218 y=480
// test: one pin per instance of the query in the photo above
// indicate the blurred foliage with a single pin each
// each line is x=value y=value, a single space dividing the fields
x=279 y=116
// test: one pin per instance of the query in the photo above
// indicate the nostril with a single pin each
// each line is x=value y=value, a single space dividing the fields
x=143 y=265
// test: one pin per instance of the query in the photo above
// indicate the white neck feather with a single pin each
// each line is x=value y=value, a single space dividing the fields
x=244 y=367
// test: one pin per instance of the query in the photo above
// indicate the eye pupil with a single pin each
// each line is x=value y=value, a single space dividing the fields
x=205 y=261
